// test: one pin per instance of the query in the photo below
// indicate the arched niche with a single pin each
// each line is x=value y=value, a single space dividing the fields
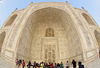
x=10 y=21
x=33 y=41
x=88 y=19
x=2 y=37
x=49 y=32
x=97 y=35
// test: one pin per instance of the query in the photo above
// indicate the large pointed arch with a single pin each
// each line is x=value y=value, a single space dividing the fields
x=34 y=33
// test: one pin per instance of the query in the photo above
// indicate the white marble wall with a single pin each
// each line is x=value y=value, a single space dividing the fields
x=73 y=34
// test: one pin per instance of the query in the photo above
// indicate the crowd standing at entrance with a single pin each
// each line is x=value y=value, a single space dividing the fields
x=47 y=65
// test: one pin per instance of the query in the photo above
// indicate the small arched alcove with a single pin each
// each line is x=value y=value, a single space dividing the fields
x=97 y=35
x=2 y=37
x=49 y=32
x=88 y=19
x=10 y=21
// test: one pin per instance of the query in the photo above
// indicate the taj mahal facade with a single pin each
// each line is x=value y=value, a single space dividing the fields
x=50 y=32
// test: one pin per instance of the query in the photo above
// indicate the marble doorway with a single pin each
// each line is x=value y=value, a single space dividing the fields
x=50 y=50
x=50 y=55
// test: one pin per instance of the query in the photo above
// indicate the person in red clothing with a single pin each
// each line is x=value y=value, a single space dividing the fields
x=52 y=66
x=23 y=64
x=99 y=53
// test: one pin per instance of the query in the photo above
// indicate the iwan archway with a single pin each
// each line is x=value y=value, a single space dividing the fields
x=49 y=35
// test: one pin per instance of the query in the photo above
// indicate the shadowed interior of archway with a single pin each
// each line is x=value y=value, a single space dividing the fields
x=10 y=21
x=88 y=19
x=2 y=36
x=97 y=35
x=64 y=43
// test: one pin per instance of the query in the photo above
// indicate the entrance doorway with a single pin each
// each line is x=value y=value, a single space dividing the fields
x=50 y=49
x=50 y=55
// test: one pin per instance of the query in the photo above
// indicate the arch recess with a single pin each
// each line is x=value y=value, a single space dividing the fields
x=97 y=35
x=33 y=42
x=2 y=37
x=10 y=21
x=49 y=32
x=88 y=19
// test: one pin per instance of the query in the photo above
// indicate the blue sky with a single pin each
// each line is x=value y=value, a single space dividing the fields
x=8 y=6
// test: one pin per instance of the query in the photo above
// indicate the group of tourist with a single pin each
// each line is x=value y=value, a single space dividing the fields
x=47 y=65
x=20 y=62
